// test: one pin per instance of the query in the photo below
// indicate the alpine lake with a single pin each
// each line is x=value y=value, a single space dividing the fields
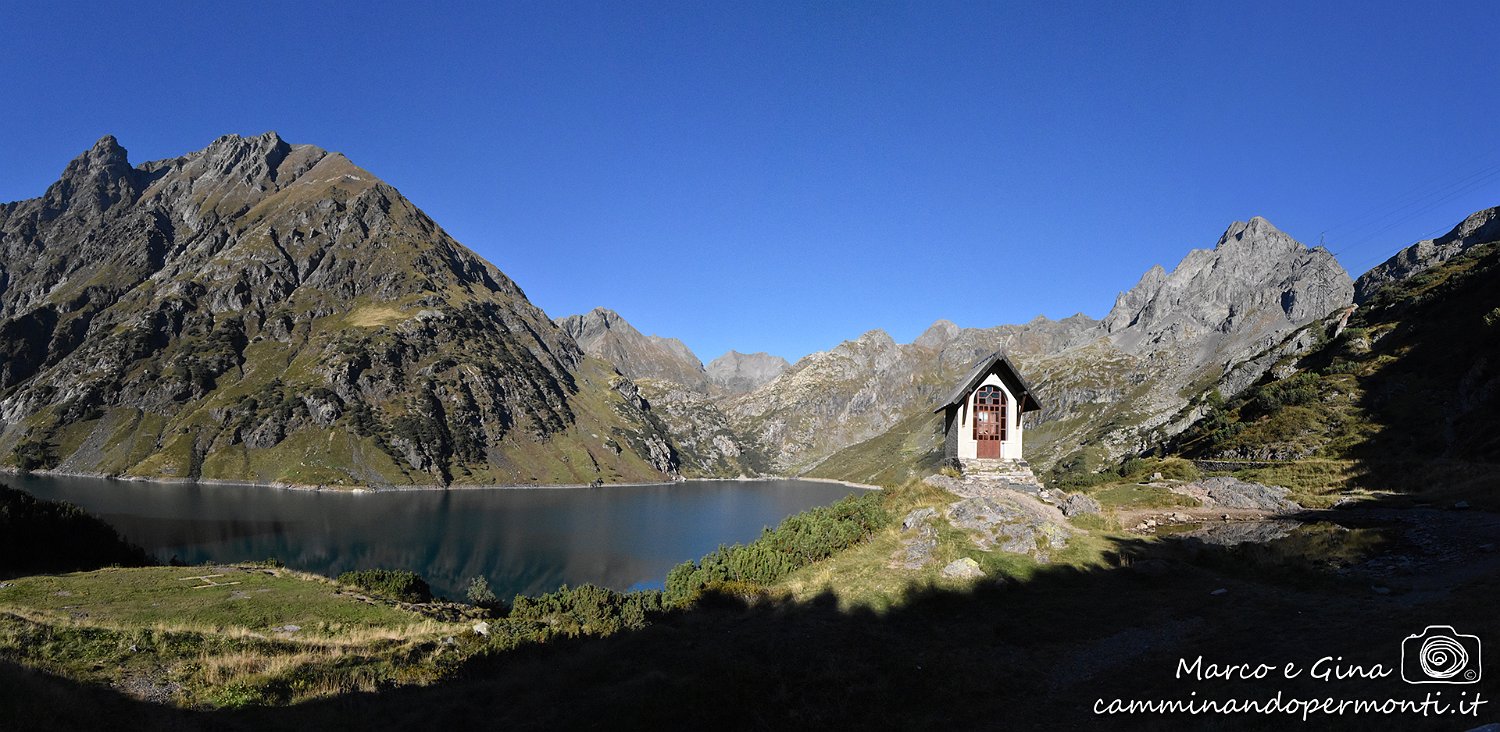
x=523 y=540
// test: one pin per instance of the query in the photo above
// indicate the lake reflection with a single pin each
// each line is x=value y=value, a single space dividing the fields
x=523 y=541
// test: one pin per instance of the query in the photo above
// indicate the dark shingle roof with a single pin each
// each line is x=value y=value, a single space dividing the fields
x=994 y=362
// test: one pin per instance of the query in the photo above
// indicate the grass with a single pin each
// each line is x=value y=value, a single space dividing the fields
x=1137 y=495
x=1313 y=483
x=172 y=635
x=909 y=450
x=260 y=600
x=861 y=578
x=372 y=316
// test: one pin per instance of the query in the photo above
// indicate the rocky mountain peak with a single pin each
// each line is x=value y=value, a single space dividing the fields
x=94 y=181
x=416 y=360
x=602 y=333
x=876 y=337
x=740 y=373
x=1257 y=233
x=1255 y=283
x=252 y=161
x=937 y=334
x=107 y=149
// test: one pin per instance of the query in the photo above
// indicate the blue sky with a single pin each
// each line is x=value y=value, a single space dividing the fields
x=782 y=176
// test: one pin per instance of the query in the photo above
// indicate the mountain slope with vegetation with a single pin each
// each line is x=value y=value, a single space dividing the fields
x=1404 y=397
x=265 y=311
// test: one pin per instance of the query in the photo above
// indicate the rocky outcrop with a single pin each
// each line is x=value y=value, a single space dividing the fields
x=829 y=400
x=1011 y=523
x=739 y=373
x=1479 y=228
x=918 y=540
x=709 y=444
x=604 y=334
x=261 y=310
x=1228 y=492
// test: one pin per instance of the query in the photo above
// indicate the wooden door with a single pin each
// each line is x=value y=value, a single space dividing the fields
x=989 y=421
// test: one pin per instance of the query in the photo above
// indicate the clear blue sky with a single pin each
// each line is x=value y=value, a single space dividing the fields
x=782 y=176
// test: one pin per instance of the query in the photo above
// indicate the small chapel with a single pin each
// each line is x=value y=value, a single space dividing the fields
x=982 y=418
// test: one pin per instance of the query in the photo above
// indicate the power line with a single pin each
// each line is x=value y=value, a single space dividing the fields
x=1385 y=208
x=1470 y=187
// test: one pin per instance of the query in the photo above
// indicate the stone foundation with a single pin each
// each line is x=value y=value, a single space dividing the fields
x=1016 y=472
x=985 y=477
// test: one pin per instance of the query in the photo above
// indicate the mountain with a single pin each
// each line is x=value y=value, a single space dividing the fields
x=740 y=373
x=1109 y=387
x=1403 y=396
x=259 y=310
x=1479 y=228
x=1219 y=303
x=602 y=333
x=861 y=388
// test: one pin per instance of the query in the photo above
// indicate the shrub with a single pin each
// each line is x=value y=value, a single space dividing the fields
x=33 y=454
x=588 y=609
x=396 y=584
x=480 y=594
x=800 y=540
x=1293 y=391
x=1138 y=468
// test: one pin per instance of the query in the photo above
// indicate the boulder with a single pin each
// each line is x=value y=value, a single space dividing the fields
x=917 y=517
x=952 y=485
x=965 y=568
x=1078 y=504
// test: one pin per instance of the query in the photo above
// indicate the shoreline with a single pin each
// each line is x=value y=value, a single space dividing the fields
x=366 y=489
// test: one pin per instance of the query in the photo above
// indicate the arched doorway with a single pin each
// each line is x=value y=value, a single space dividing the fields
x=989 y=421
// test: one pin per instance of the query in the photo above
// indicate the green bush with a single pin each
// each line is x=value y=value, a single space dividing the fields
x=1297 y=390
x=396 y=584
x=480 y=594
x=33 y=454
x=799 y=541
x=588 y=609
x=1139 y=468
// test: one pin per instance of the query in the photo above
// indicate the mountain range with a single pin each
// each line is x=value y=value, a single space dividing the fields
x=265 y=311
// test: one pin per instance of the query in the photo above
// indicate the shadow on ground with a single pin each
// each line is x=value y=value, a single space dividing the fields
x=1006 y=655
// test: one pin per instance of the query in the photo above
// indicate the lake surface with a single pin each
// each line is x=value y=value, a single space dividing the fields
x=522 y=540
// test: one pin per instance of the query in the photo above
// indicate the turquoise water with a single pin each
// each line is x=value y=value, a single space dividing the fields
x=522 y=540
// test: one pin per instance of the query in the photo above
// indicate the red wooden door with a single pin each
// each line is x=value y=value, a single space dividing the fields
x=989 y=421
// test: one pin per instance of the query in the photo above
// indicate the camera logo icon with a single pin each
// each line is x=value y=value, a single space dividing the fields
x=1440 y=655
